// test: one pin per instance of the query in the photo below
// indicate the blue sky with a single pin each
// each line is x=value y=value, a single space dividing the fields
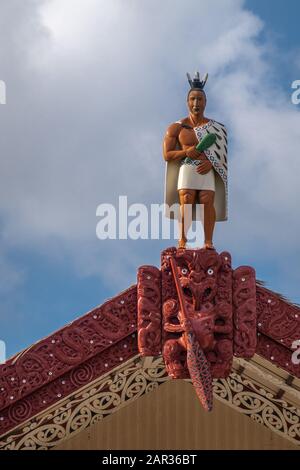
x=281 y=20
x=62 y=122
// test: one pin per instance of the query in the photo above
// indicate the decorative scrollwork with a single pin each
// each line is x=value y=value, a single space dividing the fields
x=110 y=393
x=66 y=350
x=257 y=402
x=94 y=403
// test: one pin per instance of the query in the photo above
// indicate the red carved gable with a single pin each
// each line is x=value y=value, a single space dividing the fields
x=278 y=324
x=86 y=349
x=68 y=359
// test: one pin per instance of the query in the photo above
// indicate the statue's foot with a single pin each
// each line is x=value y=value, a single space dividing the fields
x=181 y=244
x=208 y=246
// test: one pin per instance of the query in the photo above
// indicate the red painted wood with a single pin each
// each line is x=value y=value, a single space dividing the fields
x=92 y=345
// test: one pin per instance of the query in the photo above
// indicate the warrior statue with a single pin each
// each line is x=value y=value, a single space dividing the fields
x=195 y=172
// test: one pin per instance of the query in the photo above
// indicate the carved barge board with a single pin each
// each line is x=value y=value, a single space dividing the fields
x=250 y=392
x=72 y=357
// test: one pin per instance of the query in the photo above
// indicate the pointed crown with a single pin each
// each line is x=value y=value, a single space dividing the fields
x=196 y=82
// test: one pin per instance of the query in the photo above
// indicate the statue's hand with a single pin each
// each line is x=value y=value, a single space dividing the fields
x=204 y=167
x=193 y=153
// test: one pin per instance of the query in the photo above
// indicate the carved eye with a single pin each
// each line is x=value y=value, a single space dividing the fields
x=210 y=271
x=184 y=271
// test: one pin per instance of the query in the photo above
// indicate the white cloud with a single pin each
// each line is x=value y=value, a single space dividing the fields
x=93 y=86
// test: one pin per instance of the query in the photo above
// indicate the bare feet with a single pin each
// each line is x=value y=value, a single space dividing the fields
x=181 y=243
x=208 y=246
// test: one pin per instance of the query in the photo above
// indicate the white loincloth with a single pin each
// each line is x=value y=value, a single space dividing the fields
x=188 y=178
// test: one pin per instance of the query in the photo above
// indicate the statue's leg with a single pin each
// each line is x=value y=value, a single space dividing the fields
x=207 y=197
x=186 y=196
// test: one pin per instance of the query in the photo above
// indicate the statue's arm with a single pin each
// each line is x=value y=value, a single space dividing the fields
x=171 y=151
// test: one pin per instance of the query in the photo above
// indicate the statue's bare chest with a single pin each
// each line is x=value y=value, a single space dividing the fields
x=187 y=137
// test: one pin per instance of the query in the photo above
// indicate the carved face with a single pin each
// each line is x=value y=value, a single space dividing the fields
x=198 y=277
x=196 y=102
x=202 y=305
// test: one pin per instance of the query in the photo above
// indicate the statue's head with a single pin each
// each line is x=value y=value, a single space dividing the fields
x=196 y=98
x=196 y=101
